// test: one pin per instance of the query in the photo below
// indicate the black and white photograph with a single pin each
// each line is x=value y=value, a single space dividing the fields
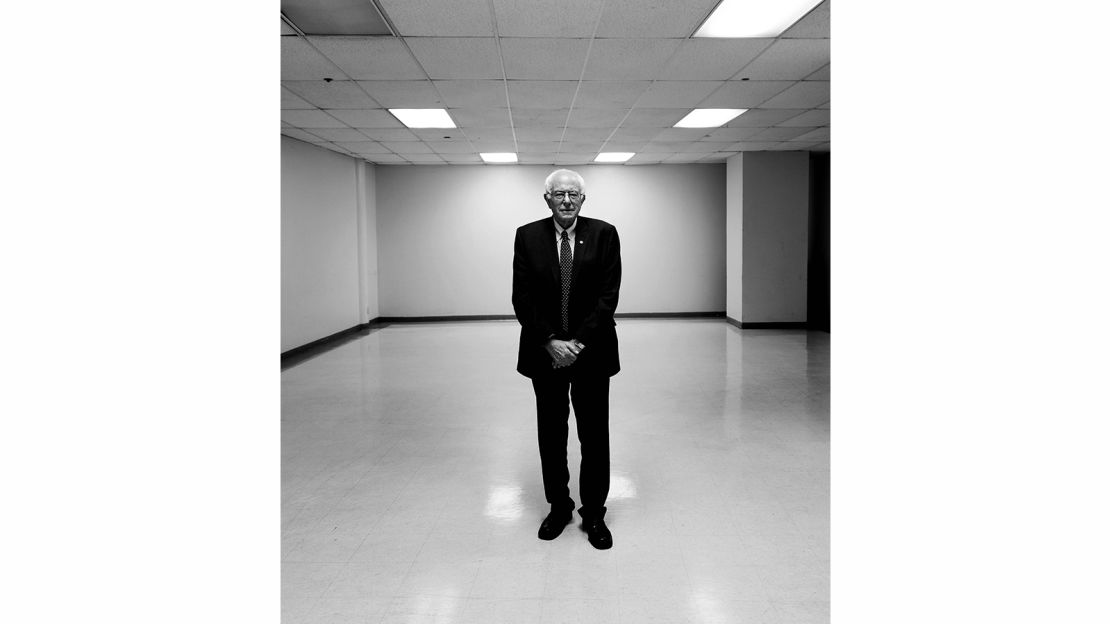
x=555 y=311
x=523 y=311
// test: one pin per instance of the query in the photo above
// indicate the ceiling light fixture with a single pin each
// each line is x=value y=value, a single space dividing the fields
x=498 y=157
x=614 y=157
x=754 y=18
x=709 y=117
x=423 y=117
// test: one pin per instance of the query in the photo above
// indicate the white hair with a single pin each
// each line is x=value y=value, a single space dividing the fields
x=550 y=181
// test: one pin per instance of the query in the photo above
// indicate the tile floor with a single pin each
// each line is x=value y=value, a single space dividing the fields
x=411 y=483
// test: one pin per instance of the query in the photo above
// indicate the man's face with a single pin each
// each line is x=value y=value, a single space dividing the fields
x=565 y=200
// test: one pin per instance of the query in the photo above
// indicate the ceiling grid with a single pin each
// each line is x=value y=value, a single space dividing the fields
x=500 y=69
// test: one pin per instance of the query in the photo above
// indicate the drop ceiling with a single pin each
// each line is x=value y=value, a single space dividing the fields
x=555 y=81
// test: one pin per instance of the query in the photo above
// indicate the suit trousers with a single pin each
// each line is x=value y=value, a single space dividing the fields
x=590 y=396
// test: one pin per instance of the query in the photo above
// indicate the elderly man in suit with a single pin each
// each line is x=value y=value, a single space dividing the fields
x=566 y=278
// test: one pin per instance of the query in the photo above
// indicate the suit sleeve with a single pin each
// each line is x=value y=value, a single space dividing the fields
x=524 y=300
x=602 y=314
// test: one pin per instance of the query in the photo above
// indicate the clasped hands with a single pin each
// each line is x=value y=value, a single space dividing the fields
x=563 y=352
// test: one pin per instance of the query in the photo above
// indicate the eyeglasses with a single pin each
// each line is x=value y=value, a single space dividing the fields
x=559 y=195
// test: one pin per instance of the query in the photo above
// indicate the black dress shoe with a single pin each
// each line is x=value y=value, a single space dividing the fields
x=598 y=534
x=554 y=524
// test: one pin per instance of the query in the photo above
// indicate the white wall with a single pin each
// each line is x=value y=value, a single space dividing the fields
x=320 y=289
x=734 y=227
x=445 y=234
x=775 y=244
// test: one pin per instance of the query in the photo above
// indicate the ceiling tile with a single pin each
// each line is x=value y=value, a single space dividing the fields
x=493 y=146
x=744 y=93
x=542 y=158
x=537 y=147
x=544 y=18
x=825 y=73
x=390 y=134
x=541 y=93
x=310 y=119
x=458 y=18
x=651 y=18
x=569 y=158
x=403 y=93
x=702 y=146
x=634 y=134
x=676 y=94
x=820 y=134
x=301 y=135
x=480 y=117
x=540 y=58
x=587 y=135
x=366 y=118
x=761 y=118
x=731 y=135
x=581 y=146
x=628 y=59
x=812 y=118
x=654 y=117
x=291 y=101
x=825 y=105
x=789 y=59
x=370 y=58
x=684 y=157
x=457 y=58
x=451 y=147
x=539 y=134
x=780 y=134
x=300 y=62
x=424 y=159
x=680 y=134
x=462 y=158
x=441 y=135
x=821 y=147
x=338 y=135
x=407 y=147
x=807 y=94
x=753 y=146
x=539 y=117
x=596 y=117
x=663 y=148
x=646 y=159
x=712 y=59
x=336 y=94
x=472 y=93
x=490 y=135
x=814 y=25
x=363 y=147
x=609 y=94
x=384 y=158
x=626 y=146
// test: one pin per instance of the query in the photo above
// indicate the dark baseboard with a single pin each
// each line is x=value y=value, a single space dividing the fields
x=781 y=325
x=664 y=315
x=446 y=319
x=308 y=351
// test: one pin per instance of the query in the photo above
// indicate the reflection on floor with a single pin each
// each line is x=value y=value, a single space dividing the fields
x=411 y=482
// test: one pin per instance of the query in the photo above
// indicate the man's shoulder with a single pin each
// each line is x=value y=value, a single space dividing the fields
x=535 y=226
x=597 y=224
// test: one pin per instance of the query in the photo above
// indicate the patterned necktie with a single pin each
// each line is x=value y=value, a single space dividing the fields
x=564 y=268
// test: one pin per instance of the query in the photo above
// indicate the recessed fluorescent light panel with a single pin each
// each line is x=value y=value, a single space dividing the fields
x=614 y=157
x=754 y=18
x=498 y=157
x=335 y=17
x=423 y=117
x=709 y=117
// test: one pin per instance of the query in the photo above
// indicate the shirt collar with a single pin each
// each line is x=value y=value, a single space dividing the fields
x=570 y=230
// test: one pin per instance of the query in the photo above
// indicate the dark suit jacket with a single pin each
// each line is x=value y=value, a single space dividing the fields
x=594 y=287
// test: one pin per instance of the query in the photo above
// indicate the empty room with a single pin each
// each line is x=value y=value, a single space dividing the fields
x=555 y=311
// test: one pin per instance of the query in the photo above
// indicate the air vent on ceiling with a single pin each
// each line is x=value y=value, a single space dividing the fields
x=335 y=17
